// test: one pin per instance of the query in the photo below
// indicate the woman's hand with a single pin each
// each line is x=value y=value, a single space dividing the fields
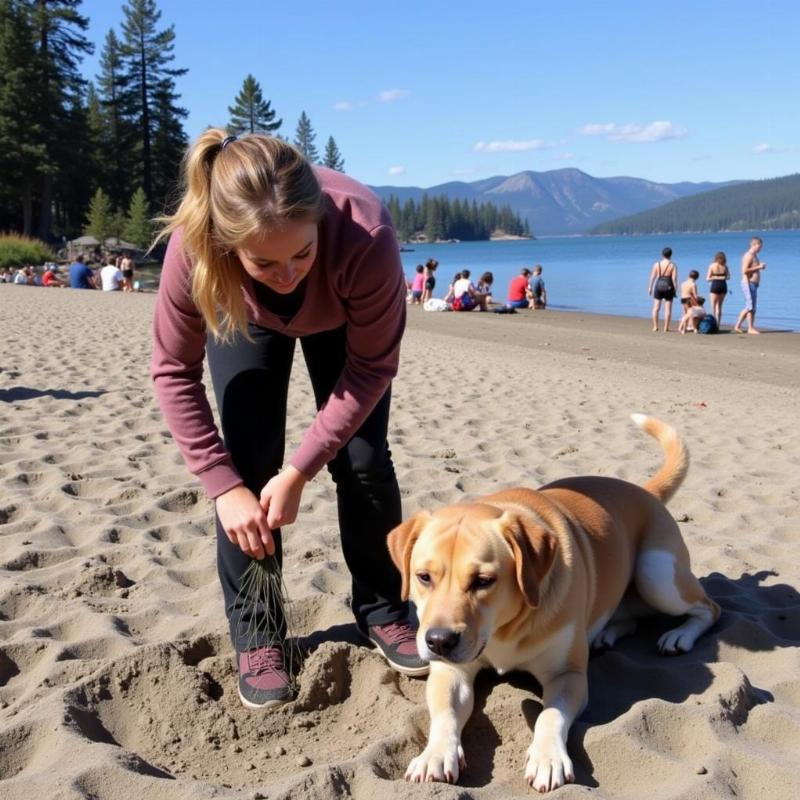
x=280 y=498
x=244 y=522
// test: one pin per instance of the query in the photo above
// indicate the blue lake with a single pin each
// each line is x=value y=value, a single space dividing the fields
x=609 y=274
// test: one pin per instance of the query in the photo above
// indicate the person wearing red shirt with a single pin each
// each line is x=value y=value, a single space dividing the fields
x=518 y=290
x=50 y=277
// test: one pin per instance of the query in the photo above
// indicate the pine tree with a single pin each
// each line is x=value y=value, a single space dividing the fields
x=169 y=144
x=100 y=219
x=138 y=229
x=304 y=138
x=61 y=45
x=117 y=141
x=22 y=136
x=250 y=112
x=146 y=53
x=333 y=158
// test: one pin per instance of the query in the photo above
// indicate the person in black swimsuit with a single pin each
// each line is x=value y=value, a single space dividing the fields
x=663 y=280
x=718 y=275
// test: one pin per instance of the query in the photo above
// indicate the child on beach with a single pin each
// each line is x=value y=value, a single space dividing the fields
x=265 y=250
x=689 y=293
x=450 y=296
x=485 y=285
x=430 y=279
x=537 y=297
x=466 y=296
x=418 y=286
x=693 y=313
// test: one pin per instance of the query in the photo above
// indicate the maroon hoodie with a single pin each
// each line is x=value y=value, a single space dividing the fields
x=356 y=280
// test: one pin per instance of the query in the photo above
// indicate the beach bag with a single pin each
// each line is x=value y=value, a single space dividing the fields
x=464 y=303
x=708 y=324
x=435 y=304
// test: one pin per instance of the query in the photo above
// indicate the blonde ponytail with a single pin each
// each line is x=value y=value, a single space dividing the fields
x=246 y=188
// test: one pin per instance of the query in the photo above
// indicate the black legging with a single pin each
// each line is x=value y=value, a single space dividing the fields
x=251 y=382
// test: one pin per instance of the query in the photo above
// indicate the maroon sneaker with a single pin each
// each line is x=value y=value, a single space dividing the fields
x=263 y=679
x=397 y=643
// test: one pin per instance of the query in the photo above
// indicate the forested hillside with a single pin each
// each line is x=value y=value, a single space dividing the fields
x=755 y=205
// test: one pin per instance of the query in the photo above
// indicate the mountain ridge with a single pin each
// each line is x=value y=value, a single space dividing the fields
x=560 y=201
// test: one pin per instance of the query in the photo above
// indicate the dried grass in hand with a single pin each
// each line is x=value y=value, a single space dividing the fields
x=263 y=610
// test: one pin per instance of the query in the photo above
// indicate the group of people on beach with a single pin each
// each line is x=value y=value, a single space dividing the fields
x=115 y=275
x=526 y=290
x=695 y=316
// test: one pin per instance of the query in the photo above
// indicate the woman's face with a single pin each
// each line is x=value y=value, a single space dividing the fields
x=281 y=258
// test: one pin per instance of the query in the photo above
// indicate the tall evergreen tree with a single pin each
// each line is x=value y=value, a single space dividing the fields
x=333 y=158
x=22 y=136
x=304 y=138
x=169 y=143
x=117 y=136
x=146 y=53
x=61 y=45
x=100 y=218
x=138 y=229
x=250 y=112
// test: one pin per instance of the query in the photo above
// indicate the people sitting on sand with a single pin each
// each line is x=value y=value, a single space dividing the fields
x=24 y=276
x=663 y=280
x=450 y=296
x=537 y=294
x=485 y=286
x=51 y=278
x=6 y=276
x=111 y=277
x=417 y=286
x=692 y=315
x=80 y=274
x=466 y=296
x=518 y=290
x=689 y=294
x=718 y=275
x=430 y=279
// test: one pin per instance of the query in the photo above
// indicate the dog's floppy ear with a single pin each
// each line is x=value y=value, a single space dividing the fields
x=401 y=542
x=534 y=551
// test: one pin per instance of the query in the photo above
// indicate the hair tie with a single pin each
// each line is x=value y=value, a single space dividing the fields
x=227 y=140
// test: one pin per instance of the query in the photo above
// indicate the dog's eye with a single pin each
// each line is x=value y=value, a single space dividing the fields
x=482 y=581
x=424 y=578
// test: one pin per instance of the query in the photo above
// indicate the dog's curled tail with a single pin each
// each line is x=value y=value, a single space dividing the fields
x=676 y=457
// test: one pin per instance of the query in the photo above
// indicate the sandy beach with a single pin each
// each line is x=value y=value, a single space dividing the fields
x=116 y=672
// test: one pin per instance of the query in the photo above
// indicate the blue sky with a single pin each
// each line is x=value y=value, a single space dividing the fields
x=420 y=93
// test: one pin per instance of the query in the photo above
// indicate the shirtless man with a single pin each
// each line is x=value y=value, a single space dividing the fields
x=751 y=277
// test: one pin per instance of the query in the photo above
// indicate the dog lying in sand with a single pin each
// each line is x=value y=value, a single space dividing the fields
x=529 y=580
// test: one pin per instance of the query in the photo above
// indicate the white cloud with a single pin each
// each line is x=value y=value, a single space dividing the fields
x=658 y=131
x=397 y=170
x=763 y=148
x=343 y=105
x=390 y=95
x=564 y=157
x=509 y=146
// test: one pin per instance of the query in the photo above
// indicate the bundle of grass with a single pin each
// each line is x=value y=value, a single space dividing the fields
x=263 y=614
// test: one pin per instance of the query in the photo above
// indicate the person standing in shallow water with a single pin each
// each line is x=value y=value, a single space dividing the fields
x=265 y=250
x=663 y=280
x=751 y=280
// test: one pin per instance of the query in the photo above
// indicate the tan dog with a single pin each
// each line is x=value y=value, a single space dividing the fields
x=528 y=580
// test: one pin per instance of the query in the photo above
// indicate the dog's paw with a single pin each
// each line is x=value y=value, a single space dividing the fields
x=548 y=766
x=678 y=640
x=608 y=637
x=441 y=764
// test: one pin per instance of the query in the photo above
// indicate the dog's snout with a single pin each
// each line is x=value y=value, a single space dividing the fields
x=441 y=640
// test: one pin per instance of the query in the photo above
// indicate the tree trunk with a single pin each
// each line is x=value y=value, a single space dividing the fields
x=45 y=208
x=27 y=210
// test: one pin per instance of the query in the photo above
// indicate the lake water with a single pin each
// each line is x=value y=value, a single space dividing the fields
x=609 y=274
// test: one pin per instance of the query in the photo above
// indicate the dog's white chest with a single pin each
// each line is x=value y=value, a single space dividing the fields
x=544 y=657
